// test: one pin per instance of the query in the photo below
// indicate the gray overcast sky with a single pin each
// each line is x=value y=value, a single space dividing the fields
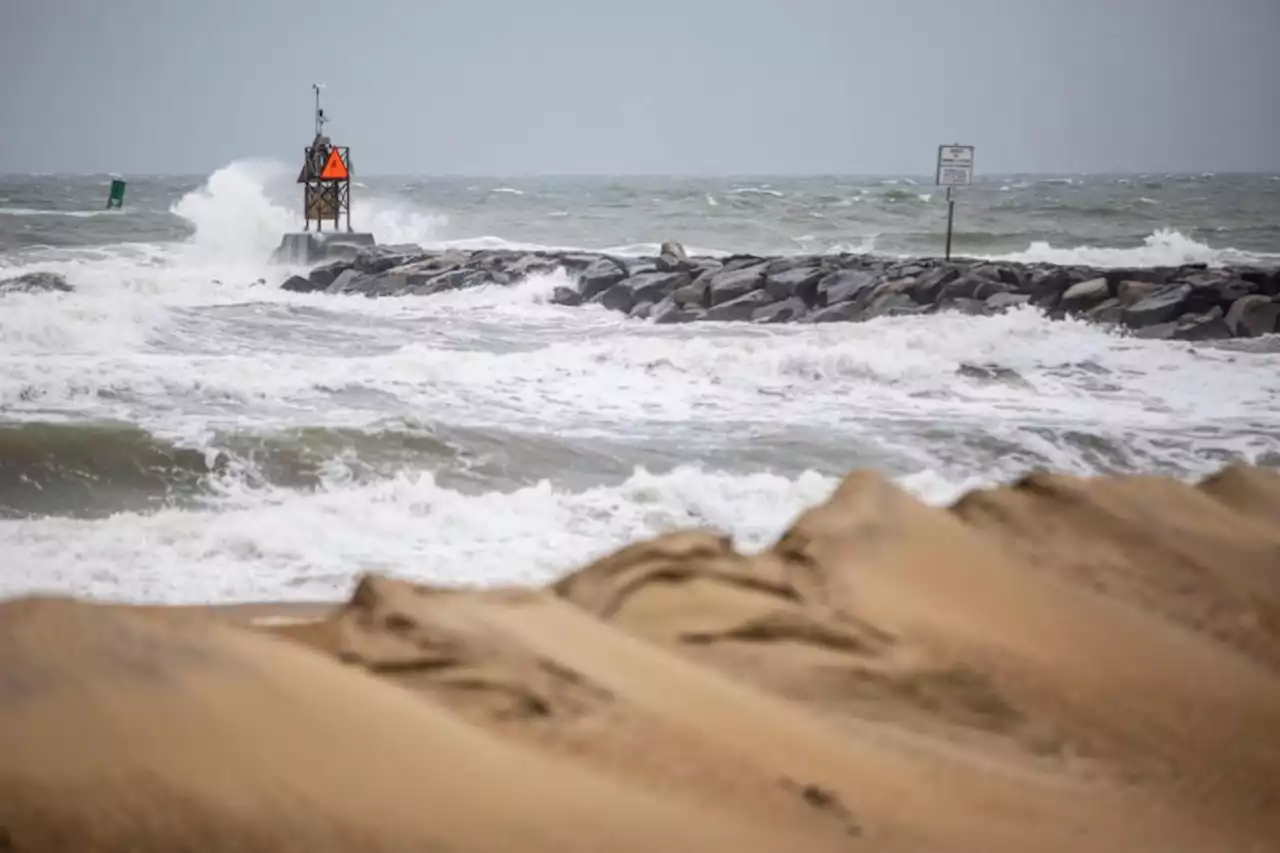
x=511 y=87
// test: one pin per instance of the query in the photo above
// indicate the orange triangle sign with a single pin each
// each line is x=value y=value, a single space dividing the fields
x=334 y=169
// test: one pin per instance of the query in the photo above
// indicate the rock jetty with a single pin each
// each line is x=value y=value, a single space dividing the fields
x=1188 y=302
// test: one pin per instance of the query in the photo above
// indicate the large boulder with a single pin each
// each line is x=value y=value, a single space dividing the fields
x=694 y=294
x=603 y=274
x=567 y=296
x=1079 y=298
x=851 y=285
x=667 y=311
x=647 y=287
x=1204 y=326
x=1228 y=291
x=838 y=313
x=323 y=275
x=1047 y=286
x=455 y=279
x=348 y=281
x=732 y=282
x=530 y=265
x=375 y=259
x=1133 y=291
x=972 y=285
x=786 y=311
x=929 y=284
x=1253 y=316
x=795 y=281
x=999 y=302
x=671 y=257
x=741 y=308
x=298 y=284
x=1165 y=305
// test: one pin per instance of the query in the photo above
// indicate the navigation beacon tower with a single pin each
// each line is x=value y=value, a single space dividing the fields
x=326 y=198
x=326 y=177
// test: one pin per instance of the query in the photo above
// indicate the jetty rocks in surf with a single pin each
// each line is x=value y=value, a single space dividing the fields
x=1190 y=302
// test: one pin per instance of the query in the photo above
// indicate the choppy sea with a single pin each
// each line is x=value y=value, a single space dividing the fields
x=176 y=429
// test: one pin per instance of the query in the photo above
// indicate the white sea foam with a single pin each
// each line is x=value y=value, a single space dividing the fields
x=307 y=546
x=1163 y=247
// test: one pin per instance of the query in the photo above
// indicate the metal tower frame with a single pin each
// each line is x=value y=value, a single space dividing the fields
x=325 y=176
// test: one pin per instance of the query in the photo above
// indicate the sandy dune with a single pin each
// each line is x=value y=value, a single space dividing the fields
x=1057 y=665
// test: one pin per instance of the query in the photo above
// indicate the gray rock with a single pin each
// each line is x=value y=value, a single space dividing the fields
x=741 y=308
x=1133 y=291
x=973 y=285
x=530 y=265
x=701 y=266
x=1158 y=332
x=618 y=298
x=731 y=283
x=892 y=303
x=641 y=311
x=298 y=284
x=1005 y=301
x=798 y=281
x=668 y=312
x=36 y=282
x=694 y=294
x=1144 y=275
x=929 y=284
x=671 y=257
x=1107 y=311
x=738 y=262
x=1079 y=298
x=988 y=288
x=562 y=295
x=650 y=286
x=1253 y=316
x=348 y=281
x=786 y=311
x=1168 y=303
x=577 y=262
x=603 y=274
x=1272 y=286
x=1232 y=289
x=838 y=313
x=1205 y=326
x=907 y=270
x=375 y=259
x=674 y=249
x=323 y=276
x=1048 y=286
x=852 y=285
x=455 y=279
x=1015 y=278
x=791 y=262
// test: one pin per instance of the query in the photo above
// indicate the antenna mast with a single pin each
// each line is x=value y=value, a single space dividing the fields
x=320 y=119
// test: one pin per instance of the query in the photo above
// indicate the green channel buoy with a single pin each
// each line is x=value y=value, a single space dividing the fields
x=115 y=197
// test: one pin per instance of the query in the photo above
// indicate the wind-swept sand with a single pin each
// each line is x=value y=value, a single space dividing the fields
x=1057 y=665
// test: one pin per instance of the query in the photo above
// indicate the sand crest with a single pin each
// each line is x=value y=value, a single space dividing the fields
x=1059 y=664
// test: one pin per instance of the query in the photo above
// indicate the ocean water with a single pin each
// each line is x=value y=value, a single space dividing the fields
x=178 y=429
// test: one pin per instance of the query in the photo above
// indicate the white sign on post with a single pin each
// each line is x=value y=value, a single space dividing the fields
x=955 y=165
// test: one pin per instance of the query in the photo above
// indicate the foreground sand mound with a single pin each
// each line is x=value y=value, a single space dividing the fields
x=129 y=731
x=1060 y=664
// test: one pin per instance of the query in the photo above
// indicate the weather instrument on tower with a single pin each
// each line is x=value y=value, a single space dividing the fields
x=326 y=177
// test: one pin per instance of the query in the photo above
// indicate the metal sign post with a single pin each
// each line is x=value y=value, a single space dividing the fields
x=955 y=169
